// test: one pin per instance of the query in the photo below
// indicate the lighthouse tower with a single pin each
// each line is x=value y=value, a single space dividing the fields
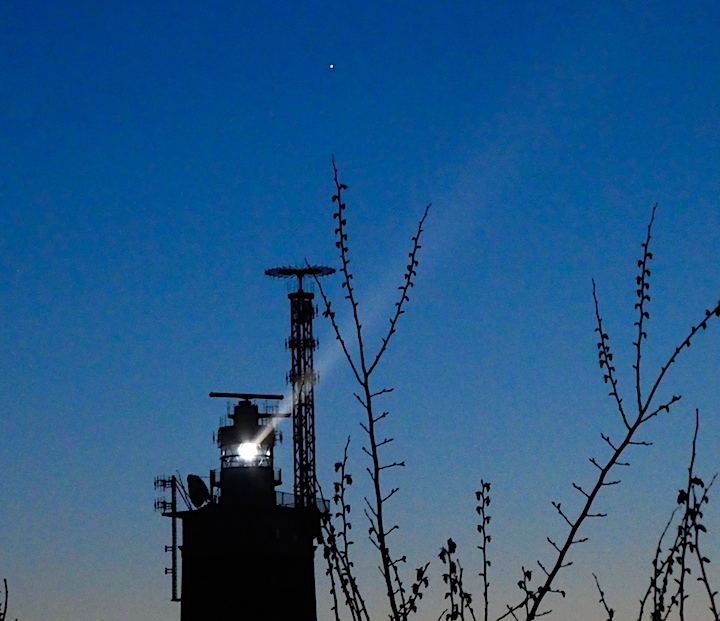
x=247 y=550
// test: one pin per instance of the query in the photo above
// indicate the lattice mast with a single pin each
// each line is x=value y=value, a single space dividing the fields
x=302 y=378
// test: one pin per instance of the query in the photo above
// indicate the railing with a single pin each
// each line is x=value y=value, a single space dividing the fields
x=286 y=499
x=235 y=461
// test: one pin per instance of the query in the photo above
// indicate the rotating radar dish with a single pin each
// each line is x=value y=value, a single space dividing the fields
x=299 y=272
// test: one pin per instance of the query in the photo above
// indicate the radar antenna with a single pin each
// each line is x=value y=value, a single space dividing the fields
x=302 y=377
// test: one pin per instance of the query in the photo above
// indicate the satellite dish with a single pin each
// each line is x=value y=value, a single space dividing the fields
x=197 y=490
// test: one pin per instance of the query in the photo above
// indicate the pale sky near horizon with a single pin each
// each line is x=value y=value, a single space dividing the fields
x=158 y=157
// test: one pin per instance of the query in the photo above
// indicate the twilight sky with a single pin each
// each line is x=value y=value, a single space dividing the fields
x=157 y=157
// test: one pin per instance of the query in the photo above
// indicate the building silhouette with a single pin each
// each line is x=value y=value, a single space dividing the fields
x=248 y=550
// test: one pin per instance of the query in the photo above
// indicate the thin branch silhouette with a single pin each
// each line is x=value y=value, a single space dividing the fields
x=4 y=605
x=402 y=601
x=645 y=409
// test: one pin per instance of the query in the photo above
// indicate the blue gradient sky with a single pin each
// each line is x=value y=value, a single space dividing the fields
x=156 y=158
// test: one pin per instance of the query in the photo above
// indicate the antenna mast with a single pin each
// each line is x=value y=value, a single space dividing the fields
x=302 y=378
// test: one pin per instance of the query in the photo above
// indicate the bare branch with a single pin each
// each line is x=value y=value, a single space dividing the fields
x=401 y=603
x=605 y=358
x=403 y=289
x=609 y=611
x=644 y=413
x=641 y=292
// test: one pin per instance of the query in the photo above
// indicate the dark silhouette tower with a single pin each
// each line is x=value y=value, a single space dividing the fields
x=248 y=551
x=302 y=378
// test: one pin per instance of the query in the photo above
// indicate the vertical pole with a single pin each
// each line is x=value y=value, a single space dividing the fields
x=163 y=505
x=175 y=597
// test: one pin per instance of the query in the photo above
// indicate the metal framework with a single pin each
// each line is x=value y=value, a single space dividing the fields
x=169 y=509
x=302 y=377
